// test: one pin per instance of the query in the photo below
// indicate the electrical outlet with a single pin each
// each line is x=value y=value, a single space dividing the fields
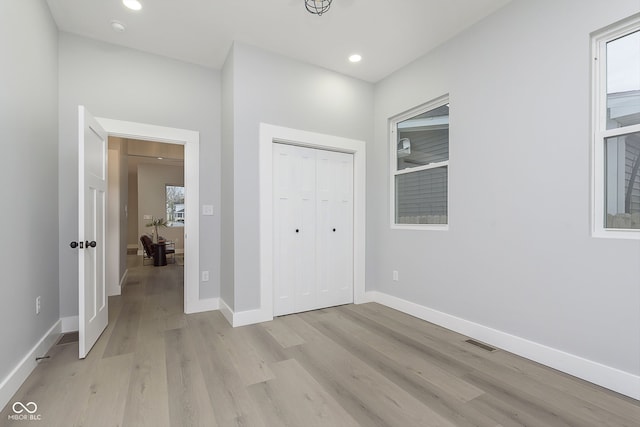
x=395 y=275
x=38 y=305
x=205 y=276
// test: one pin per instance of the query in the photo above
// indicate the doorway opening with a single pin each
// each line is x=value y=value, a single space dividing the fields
x=145 y=184
x=189 y=140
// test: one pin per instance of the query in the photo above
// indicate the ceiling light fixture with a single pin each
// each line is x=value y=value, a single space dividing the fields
x=355 y=58
x=118 y=26
x=317 y=7
x=132 y=4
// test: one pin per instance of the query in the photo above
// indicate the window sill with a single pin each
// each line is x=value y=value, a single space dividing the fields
x=421 y=227
x=616 y=234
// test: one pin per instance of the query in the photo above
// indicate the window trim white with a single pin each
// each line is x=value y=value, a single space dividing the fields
x=600 y=132
x=393 y=171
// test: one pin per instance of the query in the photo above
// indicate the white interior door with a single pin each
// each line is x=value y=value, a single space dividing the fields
x=313 y=228
x=92 y=195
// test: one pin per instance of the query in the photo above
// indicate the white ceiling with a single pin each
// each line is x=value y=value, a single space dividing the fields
x=387 y=33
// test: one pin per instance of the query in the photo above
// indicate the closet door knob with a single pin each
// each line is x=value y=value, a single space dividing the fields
x=334 y=230
x=297 y=230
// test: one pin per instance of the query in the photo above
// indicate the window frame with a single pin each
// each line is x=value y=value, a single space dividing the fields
x=600 y=133
x=393 y=165
x=173 y=224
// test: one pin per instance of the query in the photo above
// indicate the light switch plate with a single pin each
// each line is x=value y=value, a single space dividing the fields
x=207 y=209
x=147 y=217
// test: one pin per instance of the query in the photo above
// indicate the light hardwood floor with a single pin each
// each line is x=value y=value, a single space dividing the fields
x=364 y=365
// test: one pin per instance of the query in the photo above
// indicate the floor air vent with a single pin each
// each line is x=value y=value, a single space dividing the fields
x=481 y=345
x=68 y=338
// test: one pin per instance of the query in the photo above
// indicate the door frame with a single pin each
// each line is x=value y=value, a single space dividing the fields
x=191 y=141
x=269 y=134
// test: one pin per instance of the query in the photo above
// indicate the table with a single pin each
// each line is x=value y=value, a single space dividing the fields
x=159 y=254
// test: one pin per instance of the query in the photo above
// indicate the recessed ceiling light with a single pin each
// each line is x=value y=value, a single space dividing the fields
x=132 y=4
x=118 y=26
x=160 y=158
x=355 y=58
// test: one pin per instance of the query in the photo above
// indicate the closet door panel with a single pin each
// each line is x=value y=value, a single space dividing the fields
x=335 y=229
x=286 y=242
x=323 y=227
x=342 y=242
x=305 y=286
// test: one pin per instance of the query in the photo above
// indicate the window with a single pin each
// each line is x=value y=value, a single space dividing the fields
x=616 y=140
x=175 y=205
x=420 y=167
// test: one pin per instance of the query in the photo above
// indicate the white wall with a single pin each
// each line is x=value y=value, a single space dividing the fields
x=117 y=212
x=125 y=84
x=518 y=257
x=273 y=89
x=133 y=238
x=29 y=123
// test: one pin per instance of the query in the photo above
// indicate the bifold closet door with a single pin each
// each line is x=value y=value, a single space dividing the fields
x=313 y=228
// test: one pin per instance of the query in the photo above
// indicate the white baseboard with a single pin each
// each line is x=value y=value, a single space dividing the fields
x=207 y=304
x=70 y=324
x=597 y=373
x=10 y=385
x=243 y=318
x=250 y=317
x=226 y=311
x=123 y=280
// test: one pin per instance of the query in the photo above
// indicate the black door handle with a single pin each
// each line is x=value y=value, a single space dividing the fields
x=334 y=230
x=73 y=245
x=88 y=244
x=297 y=230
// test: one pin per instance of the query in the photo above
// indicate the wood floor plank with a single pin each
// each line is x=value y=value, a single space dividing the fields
x=593 y=400
x=282 y=334
x=148 y=389
x=124 y=336
x=404 y=376
x=293 y=398
x=505 y=414
x=228 y=395
x=410 y=358
x=366 y=394
x=251 y=366
x=106 y=395
x=265 y=346
x=447 y=345
x=188 y=399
